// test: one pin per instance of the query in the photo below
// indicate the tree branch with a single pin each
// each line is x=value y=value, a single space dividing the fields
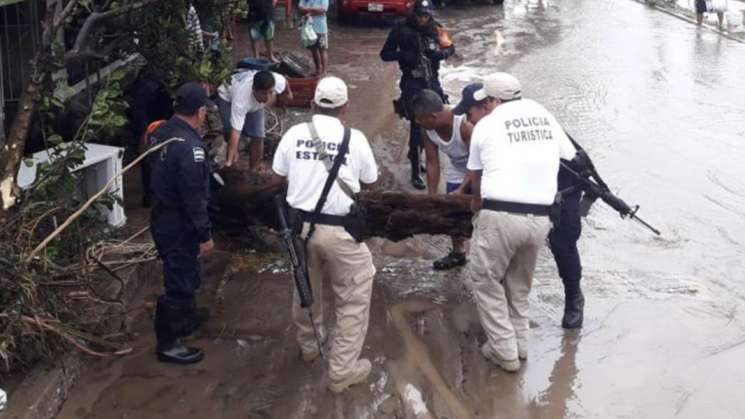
x=96 y=17
x=92 y=199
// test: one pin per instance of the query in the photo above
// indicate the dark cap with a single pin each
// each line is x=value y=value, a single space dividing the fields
x=467 y=100
x=424 y=8
x=190 y=97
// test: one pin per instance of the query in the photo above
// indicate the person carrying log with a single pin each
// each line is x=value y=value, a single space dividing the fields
x=324 y=165
x=514 y=161
x=446 y=130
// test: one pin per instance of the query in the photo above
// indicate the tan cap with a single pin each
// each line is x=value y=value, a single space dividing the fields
x=501 y=86
x=331 y=92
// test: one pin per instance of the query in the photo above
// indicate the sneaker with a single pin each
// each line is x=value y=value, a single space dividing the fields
x=512 y=365
x=417 y=182
x=361 y=372
x=452 y=260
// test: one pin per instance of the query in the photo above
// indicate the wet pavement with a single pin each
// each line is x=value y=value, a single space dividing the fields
x=659 y=105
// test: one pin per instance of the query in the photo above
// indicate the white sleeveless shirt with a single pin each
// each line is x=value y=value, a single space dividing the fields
x=455 y=149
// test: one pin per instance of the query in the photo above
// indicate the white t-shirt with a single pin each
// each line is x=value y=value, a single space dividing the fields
x=241 y=96
x=295 y=159
x=455 y=148
x=518 y=147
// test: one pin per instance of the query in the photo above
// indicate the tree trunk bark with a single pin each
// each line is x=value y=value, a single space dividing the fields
x=246 y=201
x=12 y=152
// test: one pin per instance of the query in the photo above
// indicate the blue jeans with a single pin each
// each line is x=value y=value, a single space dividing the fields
x=253 y=127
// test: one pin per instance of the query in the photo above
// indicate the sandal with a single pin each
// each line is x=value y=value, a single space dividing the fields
x=452 y=260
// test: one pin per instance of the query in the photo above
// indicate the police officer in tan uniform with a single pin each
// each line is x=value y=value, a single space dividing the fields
x=332 y=254
x=514 y=160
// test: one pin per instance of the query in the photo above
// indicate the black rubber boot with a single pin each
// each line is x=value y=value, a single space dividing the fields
x=169 y=326
x=574 y=305
x=194 y=319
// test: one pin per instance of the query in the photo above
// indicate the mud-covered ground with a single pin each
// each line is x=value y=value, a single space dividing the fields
x=659 y=105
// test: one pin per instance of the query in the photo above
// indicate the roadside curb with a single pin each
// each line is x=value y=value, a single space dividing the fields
x=47 y=386
x=686 y=18
x=45 y=389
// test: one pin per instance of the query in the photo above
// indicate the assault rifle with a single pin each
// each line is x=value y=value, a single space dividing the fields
x=302 y=282
x=422 y=71
x=594 y=187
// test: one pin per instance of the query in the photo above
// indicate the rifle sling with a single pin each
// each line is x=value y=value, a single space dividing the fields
x=332 y=175
x=324 y=156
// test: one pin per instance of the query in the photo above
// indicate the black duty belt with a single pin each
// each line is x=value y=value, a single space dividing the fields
x=516 y=207
x=324 y=219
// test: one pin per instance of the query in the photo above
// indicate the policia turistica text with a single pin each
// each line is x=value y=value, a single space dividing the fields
x=333 y=251
x=514 y=157
x=418 y=44
x=179 y=223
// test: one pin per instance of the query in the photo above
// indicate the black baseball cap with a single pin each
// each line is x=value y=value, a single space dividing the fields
x=467 y=100
x=190 y=97
x=424 y=8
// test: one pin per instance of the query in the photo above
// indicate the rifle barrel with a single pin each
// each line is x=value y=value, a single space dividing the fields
x=646 y=224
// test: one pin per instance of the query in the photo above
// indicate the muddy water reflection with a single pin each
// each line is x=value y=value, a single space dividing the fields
x=659 y=105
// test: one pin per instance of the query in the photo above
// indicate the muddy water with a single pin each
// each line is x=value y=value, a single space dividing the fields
x=659 y=106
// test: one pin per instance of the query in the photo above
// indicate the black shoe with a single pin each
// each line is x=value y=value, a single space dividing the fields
x=450 y=261
x=573 y=311
x=417 y=182
x=178 y=353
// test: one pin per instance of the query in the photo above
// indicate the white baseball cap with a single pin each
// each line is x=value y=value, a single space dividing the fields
x=331 y=92
x=501 y=86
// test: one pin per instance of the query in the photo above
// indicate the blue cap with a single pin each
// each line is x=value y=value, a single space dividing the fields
x=424 y=8
x=467 y=100
x=190 y=97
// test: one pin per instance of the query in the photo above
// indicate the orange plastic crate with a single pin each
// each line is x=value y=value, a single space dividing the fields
x=303 y=90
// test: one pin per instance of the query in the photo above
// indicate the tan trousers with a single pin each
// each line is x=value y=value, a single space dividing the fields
x=334 y=255
x=503 y=254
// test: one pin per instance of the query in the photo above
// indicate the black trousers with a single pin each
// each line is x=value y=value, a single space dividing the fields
x=410 y=87
x=178 y=246
x=563 y=242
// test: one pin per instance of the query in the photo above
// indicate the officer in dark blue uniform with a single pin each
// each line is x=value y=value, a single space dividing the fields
x=563 y=242
x=418 y=44
x=179 y=222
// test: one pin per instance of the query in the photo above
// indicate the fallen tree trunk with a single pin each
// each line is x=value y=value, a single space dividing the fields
x=246 y=200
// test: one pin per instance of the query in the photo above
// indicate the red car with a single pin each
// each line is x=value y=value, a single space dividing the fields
x=346 y=9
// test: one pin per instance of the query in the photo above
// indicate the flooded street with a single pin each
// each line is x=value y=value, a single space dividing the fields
x=658 y=103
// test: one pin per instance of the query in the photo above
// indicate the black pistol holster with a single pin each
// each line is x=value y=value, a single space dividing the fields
x=554 y=212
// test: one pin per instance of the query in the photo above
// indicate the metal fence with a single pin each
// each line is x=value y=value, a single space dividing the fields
x=20 y=33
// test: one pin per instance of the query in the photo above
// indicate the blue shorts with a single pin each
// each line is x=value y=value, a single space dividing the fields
x=450 y=187
x=253 y=127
